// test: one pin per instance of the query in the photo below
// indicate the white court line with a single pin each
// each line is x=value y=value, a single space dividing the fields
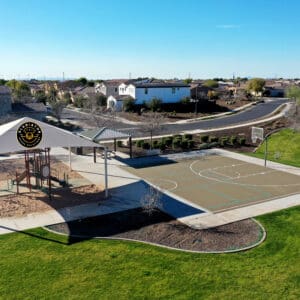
x=235 y=183
x=154 y=180
x=252 y=174
x=222 y=174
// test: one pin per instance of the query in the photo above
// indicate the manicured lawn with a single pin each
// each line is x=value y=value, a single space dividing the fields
x=33 y=267
x=283 y=147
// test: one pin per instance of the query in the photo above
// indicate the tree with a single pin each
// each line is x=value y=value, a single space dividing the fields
x=188 y=80
x=211 y=83
x=20 y=90
x=82 y=80
x=212 y=95
x=154 y=104
x=256 y=85
x=102 y=100
x=67 y=97
x=152 y=125
x=151 y=201
x=3 y=81
x=128 y=104
x=57 y=108
x=293 y=92
x=79 y=101
x=40 y=96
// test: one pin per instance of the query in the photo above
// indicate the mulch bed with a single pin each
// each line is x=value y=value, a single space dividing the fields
x=162 y=229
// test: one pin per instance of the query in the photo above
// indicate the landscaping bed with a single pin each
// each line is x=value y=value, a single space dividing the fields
x=160 y=228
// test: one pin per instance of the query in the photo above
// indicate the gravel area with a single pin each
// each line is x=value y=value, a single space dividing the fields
x=37 y=201
x=160 y=228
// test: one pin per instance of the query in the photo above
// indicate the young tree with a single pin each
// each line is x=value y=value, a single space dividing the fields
x=256 y=85
x=151 y=201
x=152 y=125
x=57 y=108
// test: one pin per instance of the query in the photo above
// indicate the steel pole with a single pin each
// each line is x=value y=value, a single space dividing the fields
x=266 y=150
x=105 y=171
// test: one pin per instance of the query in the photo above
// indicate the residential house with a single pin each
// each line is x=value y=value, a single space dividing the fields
x=109 y=87
x=144 y=92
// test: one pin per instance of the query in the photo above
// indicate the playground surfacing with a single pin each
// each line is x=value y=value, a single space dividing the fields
x=216 y=183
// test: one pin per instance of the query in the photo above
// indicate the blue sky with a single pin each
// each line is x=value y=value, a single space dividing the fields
x=159 y=38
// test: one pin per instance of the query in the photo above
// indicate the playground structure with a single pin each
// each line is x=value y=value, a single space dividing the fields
x=38 y=168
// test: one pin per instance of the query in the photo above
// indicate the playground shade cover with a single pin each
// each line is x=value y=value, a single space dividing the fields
x=52 y=136
x=216 y=183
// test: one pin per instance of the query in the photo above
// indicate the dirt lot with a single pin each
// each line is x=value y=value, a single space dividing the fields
x=162 y=229
x=38 y=201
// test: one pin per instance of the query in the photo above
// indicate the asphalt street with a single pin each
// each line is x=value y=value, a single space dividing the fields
x=253 y=113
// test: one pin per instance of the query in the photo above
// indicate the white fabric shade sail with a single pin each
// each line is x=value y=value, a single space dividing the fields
x=38 y=137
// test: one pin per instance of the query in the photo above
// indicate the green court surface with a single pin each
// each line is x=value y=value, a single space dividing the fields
x=217 y=183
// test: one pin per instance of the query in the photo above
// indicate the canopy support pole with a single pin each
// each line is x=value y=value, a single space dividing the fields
x=105 y=171
x=70 y=159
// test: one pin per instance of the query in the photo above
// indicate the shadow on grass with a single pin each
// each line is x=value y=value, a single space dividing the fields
x=69 y=240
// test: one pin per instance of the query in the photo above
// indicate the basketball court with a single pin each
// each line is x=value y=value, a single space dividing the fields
x=215 y=183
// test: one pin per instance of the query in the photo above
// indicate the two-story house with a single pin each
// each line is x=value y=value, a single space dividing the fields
x=145 y=91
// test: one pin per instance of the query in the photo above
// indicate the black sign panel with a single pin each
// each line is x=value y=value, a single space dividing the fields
x=29 y=134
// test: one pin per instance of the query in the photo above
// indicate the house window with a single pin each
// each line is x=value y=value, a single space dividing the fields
x=173 y=90
x=116 y=89
x=146 y=91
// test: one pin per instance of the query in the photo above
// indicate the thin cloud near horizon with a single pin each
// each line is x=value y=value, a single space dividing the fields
x=228 y=26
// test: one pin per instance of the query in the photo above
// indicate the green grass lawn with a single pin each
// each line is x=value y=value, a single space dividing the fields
x=41 y=265
x=285 y=144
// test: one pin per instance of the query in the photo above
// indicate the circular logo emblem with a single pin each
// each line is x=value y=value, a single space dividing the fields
x=29 y=134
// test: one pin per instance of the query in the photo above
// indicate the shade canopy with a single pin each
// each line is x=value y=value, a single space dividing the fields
x=27 y=134
x=103 y=134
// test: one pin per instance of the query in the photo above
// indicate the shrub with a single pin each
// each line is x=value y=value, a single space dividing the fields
x=204 y=146
x=177 y=137
x=119 y=143
x=155 y=144
x=213 y=144
x=154 y=104
x=176 y=143
x=146 y=146
x=213 y=139
x=224 y=140
x=191 y=144
x=204 y=138
x=140 y=143
x=242 y=141
x=184 y=144
x=162 y=146
x=188 y=136
x=168 y=140
x=233 y=140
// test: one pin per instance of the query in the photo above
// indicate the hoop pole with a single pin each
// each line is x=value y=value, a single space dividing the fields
x=70 y=159
x=266 y=150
